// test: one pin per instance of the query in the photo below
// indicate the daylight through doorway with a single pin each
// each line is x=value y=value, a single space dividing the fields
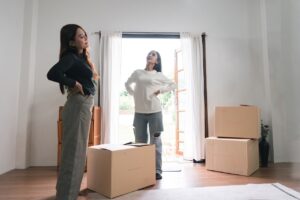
x=134 y=52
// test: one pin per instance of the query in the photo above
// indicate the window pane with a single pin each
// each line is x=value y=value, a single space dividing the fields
x=179 y=60
x=181 y=80
x=182 y=100
x=181 y=121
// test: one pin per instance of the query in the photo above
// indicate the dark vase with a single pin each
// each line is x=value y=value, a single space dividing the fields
x=264 y=152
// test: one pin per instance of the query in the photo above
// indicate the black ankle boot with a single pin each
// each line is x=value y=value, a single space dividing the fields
x=158 y=176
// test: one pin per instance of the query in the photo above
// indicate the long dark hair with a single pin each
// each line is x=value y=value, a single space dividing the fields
x=157 y=66
x=67 y=34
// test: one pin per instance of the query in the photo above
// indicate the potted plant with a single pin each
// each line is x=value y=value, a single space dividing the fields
x=264 y=145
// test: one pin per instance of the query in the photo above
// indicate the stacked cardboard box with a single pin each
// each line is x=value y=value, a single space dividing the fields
x=235 y=147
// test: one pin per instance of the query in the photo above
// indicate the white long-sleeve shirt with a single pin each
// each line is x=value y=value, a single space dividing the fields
x=146 y=84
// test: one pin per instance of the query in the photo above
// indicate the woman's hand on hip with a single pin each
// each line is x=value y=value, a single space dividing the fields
x=157 y=92
x=78 y=87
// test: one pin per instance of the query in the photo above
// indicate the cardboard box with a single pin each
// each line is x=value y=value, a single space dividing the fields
x=114 y=170
x=235 y=156
x=237 y=122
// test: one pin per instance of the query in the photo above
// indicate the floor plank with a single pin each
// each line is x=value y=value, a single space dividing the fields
x=39 y=182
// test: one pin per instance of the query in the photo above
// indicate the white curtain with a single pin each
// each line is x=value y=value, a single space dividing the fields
x=194 y=129
x=110 y=68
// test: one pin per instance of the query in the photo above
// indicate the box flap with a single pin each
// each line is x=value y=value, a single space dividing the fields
x=230 y=139
x=138 y=144
x=112 y=147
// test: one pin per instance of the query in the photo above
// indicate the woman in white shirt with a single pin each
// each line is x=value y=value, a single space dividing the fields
x=145 y=85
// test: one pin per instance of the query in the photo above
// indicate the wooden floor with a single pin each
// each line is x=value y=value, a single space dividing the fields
x=39 y=182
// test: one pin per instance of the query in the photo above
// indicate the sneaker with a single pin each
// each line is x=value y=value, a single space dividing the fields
x=158 y=176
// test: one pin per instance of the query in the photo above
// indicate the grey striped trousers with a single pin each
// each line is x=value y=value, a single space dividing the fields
x=76 y=118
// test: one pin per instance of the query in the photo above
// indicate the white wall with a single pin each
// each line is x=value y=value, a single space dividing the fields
x=233 y=59
x=26 y=84
x=291 y=19
x=283 y=51
x=11 y=23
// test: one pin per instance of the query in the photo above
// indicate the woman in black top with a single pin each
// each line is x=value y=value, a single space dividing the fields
x=76 y=73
